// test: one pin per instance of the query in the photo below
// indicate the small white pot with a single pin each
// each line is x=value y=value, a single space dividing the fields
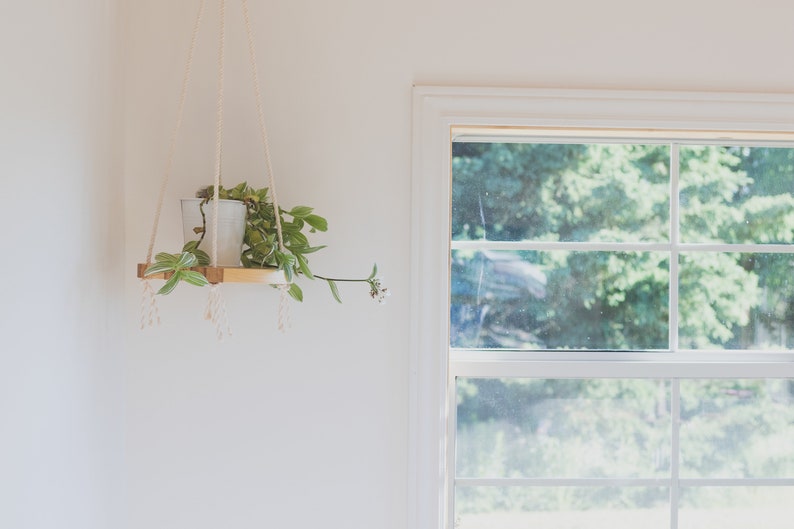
x=231 y=228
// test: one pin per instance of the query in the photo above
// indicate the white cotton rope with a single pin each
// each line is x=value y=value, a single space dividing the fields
x=283 y=313
x=175 y=134
x=148 y=302
x=218 y=131
x=216 y=307
x=261 y=115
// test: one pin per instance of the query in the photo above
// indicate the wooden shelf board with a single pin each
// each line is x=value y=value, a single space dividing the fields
x=228 y=274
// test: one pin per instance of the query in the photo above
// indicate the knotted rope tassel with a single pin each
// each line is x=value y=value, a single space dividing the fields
x=216 y=312
x=284 y=320
x=150 y=315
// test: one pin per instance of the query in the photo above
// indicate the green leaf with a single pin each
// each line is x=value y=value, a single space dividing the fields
x=317 y=222
x=305 y=249
x=295 y=292
x=300 y=212
x=170 y=284
x=202 y=257
x=303 y=264
x=194 y=278
x=374 y=271
x=334 y=290
x=285 y=259
x=157 y=268
x=190 y=246
x=164 y=257
x=297 y=238
x=186 y=260
x=289 y=273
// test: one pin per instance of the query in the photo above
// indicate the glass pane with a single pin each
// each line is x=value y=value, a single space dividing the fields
x=562 y=508
x=737 y=194
x=736 y=301
x=508 y=428
x=559 y=300
x=560 y=192
x=736 y=508
x=737 y=428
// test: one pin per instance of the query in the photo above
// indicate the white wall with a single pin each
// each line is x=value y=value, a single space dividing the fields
x=309 y=428
x=61 y=293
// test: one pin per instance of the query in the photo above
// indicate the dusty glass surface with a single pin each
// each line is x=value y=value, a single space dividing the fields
x=736 y=301
x=559 y=300
x=514 y=427
x=736 y=508
x=562 y=507
x=560 y=192
x=737 y=428
x=737 y=194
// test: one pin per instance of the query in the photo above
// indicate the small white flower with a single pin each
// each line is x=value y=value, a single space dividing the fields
x=377 y=291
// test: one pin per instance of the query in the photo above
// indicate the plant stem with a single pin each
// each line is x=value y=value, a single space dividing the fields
x=203 y=222
x=338 y=280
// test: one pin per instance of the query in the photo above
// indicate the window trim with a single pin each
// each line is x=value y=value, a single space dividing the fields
x=439 y=110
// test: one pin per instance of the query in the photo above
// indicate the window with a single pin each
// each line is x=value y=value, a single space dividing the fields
x=603 y=312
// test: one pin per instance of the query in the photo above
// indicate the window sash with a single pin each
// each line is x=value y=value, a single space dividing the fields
x=441 y=113
x=672 y=481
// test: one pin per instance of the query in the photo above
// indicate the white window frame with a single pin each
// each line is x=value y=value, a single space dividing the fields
x=439 y=110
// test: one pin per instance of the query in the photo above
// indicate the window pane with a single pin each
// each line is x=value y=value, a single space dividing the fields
x=737 y=194
x=560 y=192
x=562 y=508
x=736 y=508
x=559 y=300
x=508 y=428
x=736 y=301
x=737 y=428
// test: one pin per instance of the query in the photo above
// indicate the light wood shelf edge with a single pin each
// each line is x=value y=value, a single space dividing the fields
x=229 y=274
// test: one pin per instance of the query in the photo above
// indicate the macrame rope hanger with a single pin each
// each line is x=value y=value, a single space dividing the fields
x=216 y=308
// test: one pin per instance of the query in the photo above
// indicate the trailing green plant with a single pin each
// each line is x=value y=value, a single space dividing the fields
x=179 y=266
x=261 y=247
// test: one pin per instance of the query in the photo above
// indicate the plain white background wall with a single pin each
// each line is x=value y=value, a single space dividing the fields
x=309 y=429
x=61 y=296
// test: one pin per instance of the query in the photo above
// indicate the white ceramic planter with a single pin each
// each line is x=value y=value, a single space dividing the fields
x=231 y=228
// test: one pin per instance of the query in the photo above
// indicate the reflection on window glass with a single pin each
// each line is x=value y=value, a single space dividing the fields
x=510 y=428
x=620 y=432
x=737 y=428
x=559 y=300
x=562 y=508
x=568 y=192
x=737 y=194
x=620 y=193
x=736 y=508
x=571 y=247
x=736 y=301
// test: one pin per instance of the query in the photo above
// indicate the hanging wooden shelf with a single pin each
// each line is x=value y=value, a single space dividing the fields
x=228 y=274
